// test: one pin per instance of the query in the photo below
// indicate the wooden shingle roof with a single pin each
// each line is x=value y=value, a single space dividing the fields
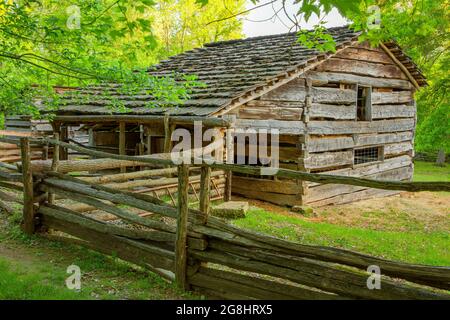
x=232 y=71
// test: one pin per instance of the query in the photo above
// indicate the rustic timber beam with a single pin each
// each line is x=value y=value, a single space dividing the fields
x=142 y=119
x=400 y=65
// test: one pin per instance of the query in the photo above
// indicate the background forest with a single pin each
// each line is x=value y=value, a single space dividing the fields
x=75 y=43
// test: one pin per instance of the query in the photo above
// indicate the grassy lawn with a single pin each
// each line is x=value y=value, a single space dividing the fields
x=412 y=228
x=427 y=171
x=35 y=268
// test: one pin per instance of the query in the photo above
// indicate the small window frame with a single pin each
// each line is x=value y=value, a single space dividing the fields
x=379 y=160
x=367 y=105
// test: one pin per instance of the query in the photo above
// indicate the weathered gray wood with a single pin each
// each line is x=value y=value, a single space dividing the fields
x=362 y=140
x=182 y=222
x=249 y=238
x=312 y=273
x=362 y=68
x=270 y=112
x=392 y=97
x=327 y=159
x=130 y=250
x=262 y=185
x=113 y=197
x=10 y=197
x=141 y=119
x=124 y=214
x=78 y=219
x=205 y=189
x=292 y=91
x=364 y=54
x=398 y=148
x=284 y=127
x=371 y=169
x=28 y=188
x=356 y=194
x=267 y=289
x=122 y=143
x=321 y=144
x=333 y=95
x=331 y=111
x=352 y=127
x=393 y=111
x=321 y=192
x=129 y=176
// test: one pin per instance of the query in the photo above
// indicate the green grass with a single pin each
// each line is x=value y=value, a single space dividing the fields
x=413 y=244
x=32 y=267
x=414 y=247
x=20 y=284
x=427 y=171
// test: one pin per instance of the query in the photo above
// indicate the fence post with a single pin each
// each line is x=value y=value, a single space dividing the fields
x=28 y=193
x=182 y=221
x=205 y=190
x=55 y=164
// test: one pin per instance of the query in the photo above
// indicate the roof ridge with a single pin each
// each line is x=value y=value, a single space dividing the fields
x=271 y=36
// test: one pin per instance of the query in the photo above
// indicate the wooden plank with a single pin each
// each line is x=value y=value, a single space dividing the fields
x=416 y=273
x=358 y=195
x=323 y=78
x=122 y=143
x=284 y=127
x=398 y=148
x=399 y=97
x=321 y=144
x=182 y=220
x=366 y=170
x=363 y=54
x=327 y=159
x=352 y=127
x=333 y=95
x=276 y=113
x=263 y=185
x=322 y=192
x=268 y=289
x=291 y=91
x=28 y=188
x=330 y=111
x=276 y=198
x=393 y=111
x=205 y=189
x=362 y=140
x=362 y=68
x=129 y=250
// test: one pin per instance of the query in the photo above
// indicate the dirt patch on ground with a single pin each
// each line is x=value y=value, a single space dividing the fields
x=423 y=211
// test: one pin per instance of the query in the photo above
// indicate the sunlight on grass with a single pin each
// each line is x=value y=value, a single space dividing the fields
x=414 y=247
x=427 y=171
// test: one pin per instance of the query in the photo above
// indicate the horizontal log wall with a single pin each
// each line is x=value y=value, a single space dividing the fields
x=333 y=132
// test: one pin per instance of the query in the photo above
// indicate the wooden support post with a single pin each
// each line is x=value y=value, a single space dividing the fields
x=205 y=190
x=122 y=143
x=167 y=134
x=28 y=193
x=182 y=220
x=63 y=136
x=55 y=164
x=228 y=185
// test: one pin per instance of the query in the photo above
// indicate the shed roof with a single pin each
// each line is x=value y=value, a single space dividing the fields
x=232 y=71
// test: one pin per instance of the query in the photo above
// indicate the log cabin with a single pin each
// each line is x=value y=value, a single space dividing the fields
x=351 y=112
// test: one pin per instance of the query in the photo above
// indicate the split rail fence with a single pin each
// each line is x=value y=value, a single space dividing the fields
x=185 y=244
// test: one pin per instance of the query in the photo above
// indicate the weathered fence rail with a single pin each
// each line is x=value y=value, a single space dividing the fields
x=201 y=252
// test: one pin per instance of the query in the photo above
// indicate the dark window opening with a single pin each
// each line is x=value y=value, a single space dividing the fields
x=367 y=155
x=364 y=104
